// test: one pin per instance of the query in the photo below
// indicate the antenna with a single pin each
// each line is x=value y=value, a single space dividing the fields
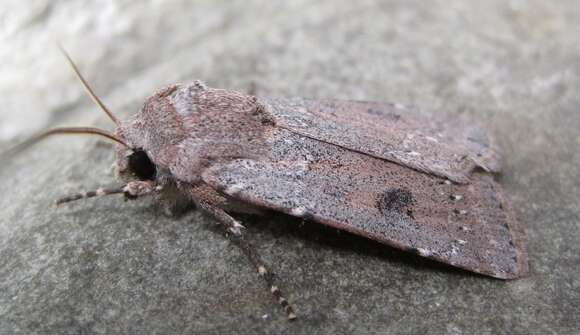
x=64 y=130
x=87 y=88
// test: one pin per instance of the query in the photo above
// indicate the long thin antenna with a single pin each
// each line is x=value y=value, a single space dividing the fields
x=64 y=130
x=87 y=88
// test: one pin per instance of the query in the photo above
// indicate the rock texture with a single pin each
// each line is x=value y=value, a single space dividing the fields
x=107 y=266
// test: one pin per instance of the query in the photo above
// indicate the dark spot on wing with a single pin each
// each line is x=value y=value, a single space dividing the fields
x=396 y=200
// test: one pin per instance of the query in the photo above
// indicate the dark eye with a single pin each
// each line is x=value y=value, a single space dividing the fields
x=141 y=165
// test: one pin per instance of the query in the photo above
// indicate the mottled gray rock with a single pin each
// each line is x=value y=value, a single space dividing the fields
x=108 y=266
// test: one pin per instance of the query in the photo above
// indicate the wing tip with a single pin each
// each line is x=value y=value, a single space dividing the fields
x=517 y=238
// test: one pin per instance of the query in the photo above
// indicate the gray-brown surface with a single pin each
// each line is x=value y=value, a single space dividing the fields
x=108 y=266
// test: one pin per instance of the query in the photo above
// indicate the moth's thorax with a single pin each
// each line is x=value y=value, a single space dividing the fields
x=182 y=124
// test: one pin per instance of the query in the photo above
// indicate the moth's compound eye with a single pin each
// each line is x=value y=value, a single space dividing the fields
x=141 y=165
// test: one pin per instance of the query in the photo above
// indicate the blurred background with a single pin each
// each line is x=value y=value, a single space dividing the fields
x=435 y=55
x=513 y=65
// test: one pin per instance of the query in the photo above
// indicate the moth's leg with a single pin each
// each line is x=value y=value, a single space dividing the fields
x=208 y=200
x=232 y=226
x=131 y=190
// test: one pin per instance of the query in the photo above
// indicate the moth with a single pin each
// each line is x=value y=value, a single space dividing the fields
x=398 y=175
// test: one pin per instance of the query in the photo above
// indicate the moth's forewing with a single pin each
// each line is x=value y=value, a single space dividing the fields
x=466 y=225
x=413 y=138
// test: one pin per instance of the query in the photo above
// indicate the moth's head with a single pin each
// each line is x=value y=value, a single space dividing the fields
x=152 y=136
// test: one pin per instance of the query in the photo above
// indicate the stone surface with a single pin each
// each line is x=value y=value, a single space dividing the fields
x=108 y=266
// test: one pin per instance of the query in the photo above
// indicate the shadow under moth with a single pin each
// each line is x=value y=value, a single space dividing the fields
x=394 y=174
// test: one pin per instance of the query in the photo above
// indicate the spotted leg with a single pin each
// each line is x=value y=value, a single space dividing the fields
x=131 y=190
x=209 y=203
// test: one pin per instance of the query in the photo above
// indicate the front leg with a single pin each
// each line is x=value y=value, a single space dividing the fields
x=131 y=190
x=210 y=201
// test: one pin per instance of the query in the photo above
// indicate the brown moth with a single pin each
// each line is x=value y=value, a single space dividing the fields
x=390 y=173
